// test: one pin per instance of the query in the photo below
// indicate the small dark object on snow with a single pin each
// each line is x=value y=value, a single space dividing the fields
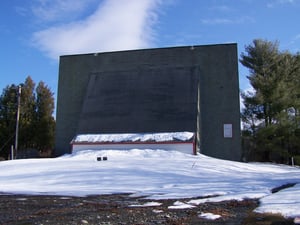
x=104 y=158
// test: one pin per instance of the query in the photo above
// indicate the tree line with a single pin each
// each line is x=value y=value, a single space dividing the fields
x=36 y=123
x=271 y=113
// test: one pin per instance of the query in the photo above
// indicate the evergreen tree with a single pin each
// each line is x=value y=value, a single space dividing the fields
x=8 y=109
x=262 y=59
x=27 y=114
x=36 y=124
x=271 y=111
x=44 y=123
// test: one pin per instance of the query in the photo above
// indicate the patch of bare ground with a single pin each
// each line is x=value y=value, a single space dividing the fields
x=122 y=209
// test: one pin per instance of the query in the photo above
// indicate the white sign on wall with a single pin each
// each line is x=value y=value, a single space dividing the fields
x=227 y=130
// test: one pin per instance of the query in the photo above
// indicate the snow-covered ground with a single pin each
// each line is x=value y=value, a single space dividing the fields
x=155 y=174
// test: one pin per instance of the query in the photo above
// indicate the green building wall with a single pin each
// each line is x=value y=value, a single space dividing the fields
x=190 y=88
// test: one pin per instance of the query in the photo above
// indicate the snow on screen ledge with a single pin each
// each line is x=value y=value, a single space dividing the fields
x=131 y=137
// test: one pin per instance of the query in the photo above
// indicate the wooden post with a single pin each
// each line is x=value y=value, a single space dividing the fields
x=12 y=152
x=17 y=122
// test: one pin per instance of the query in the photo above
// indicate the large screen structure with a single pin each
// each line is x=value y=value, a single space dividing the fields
x=190 y=88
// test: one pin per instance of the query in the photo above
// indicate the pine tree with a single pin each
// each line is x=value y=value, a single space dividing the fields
x=262 y=60
x=44 y=121
x=27 y=114
x=271 y=112
x=36 y=124
x=8 y=103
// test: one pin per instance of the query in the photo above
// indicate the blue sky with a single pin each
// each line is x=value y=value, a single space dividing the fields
x=34 y=33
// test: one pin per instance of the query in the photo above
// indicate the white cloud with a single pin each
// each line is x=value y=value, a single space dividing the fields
x=296 y=38
x=293 y=44
x=56 y=10
x=279 y=2
x=114 y=25
x=217 y=21
x=222 y=8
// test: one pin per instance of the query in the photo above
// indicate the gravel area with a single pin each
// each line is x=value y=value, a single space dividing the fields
x=123 y=209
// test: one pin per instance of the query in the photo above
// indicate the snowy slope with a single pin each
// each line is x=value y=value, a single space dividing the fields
x=155 y=175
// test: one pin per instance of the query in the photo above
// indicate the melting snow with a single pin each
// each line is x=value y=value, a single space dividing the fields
x=148 y=204
x=209 y=216
x=181 y=205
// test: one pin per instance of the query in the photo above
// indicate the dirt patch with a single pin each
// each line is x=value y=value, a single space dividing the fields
x=123 y=209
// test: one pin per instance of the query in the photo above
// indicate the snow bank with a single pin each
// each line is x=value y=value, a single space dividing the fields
x=155 y=175
x=289 y=198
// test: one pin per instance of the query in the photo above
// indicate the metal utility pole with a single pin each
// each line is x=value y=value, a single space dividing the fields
x=18 y=118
